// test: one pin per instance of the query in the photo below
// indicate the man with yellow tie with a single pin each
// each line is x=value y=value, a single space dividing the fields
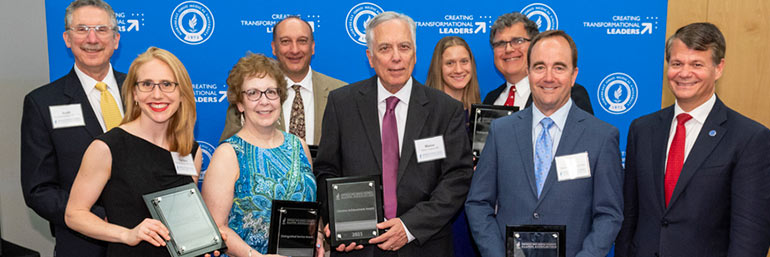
x=61 y=119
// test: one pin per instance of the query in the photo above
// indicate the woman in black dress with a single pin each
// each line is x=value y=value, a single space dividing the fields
x=138 y=157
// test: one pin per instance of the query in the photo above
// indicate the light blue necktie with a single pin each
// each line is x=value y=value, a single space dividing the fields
x=543 y=147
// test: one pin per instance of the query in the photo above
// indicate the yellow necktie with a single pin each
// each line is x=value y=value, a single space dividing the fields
x=110 y=111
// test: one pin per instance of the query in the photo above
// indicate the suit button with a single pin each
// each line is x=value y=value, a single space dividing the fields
x=536 y=215
x=664 y=223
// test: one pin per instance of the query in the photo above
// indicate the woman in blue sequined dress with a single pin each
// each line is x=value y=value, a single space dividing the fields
x=259 y=163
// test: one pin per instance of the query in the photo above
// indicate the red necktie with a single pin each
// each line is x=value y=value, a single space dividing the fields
x=390 y=157
x=511 y=96
x=675 y=156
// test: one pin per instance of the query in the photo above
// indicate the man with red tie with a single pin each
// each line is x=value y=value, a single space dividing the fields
x=510 y=38
x=697 y=179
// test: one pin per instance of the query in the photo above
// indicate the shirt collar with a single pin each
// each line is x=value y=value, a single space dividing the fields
x=701 y=112
x=559 y=117
x=89 y=83
x=305 y=83
x=403 y=94
x=522 y=87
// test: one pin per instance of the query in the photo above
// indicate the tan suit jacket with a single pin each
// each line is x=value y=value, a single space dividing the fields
x=322 y=84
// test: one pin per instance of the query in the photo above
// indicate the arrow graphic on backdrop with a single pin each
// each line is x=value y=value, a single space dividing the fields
x=647 y=27
x=224 y=96
x=480 y=26
x=134 y=25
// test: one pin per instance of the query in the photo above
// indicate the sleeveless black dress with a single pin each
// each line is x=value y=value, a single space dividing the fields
x=138 y=168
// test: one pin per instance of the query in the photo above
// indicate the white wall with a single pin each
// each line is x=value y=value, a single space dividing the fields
x=23 y=67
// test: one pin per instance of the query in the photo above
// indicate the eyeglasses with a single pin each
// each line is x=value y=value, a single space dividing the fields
x=514 y=42
x=82 y=30
x=255 y=94
x=164 y=86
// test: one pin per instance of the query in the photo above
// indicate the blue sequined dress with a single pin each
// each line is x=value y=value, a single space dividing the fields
x=281 y=173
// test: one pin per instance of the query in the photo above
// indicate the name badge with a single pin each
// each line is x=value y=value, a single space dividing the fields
x=65 y=116
x=429 y=149
x=573 y=166
x=184 y=164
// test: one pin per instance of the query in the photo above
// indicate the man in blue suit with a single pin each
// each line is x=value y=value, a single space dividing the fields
x=518 y=181
x=61 y=119
x=697 y=173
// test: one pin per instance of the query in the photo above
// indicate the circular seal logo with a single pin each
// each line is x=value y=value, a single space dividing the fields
x=617 y=93
x=542 y=15
x=357 y=19
x=192 y=22
x=206 y=151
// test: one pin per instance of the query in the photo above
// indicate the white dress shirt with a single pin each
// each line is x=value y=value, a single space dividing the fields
x=95 y=96
x=559 y=120
x=402 y=107
x=692 y=127
x=522 y=93
x=306 y=91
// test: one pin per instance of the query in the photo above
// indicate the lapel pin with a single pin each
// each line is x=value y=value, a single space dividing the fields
x=712 y=133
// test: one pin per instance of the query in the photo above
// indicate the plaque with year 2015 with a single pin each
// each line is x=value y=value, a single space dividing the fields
x=355 y=208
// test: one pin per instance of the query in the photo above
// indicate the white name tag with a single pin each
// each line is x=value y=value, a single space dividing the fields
x=573 y=166
x=184 y=164
x=65 y=116
x=429 y=149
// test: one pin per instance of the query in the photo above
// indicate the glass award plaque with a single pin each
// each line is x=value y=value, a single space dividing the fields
x=182 y=210
x=293 y=228
x=481 y=118
x=355 y=208
x=535 y=241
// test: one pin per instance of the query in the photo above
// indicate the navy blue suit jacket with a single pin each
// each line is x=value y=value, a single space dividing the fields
x=50 y=159
x=719 y=206
x=591 y=208
x=429 y=193
x=578 y=94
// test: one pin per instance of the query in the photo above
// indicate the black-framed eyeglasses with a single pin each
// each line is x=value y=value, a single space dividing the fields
x=82 y=30
x=149 y=85
x=517 y=41
x=256 y=94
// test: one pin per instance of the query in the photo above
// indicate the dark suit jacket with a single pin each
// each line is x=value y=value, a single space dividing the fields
x=50 y=159
x=429 y=193
x=322 y=84
x=578 y=93
x=503 y=191
x=719 y=206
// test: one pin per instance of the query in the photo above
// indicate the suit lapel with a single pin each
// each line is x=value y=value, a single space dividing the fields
x=416 y=116
x=320 y=96
x=523 y=133
x=74 y=90
x=494 y=94
x=704 y=145
x=660 y=134
x=367 y=109
x=570 y=136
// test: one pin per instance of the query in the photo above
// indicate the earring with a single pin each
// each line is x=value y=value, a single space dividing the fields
x=241 y=118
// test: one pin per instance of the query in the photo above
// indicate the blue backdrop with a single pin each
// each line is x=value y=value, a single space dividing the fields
x=620 y=43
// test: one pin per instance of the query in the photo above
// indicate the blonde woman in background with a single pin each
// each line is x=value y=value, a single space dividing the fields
x=138 y=157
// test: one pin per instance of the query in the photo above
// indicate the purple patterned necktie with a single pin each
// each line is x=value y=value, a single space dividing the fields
x=390 y=157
